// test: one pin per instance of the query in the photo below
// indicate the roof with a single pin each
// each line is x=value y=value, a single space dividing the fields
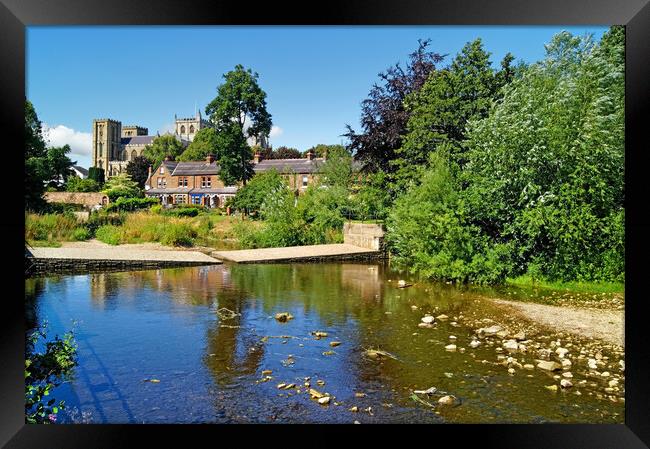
x=83 y=171
x=137 y=140
x=229 y=189
x=301 y=165
x=196 y=168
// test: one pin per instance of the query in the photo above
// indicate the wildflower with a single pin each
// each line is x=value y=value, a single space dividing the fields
x=51 y=417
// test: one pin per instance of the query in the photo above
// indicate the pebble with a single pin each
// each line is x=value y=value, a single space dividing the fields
x=567 y=374
x=566 y=383
x=511 y=370
x=451 y=347
x=511 y=345
x=446 y=400
x=428 y=319
x=324 y=400
x=474 y=344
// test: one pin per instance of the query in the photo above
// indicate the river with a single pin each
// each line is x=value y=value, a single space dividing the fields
x=206 y=334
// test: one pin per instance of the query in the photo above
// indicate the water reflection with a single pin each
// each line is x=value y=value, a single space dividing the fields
x=164 y=324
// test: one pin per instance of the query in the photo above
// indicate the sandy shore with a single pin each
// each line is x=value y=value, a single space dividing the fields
x=606 y=325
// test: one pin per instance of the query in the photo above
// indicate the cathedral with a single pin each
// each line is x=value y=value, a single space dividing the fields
x=114 y=145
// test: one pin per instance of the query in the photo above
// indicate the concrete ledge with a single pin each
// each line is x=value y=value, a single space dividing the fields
x=311 y=253
x=41 y=267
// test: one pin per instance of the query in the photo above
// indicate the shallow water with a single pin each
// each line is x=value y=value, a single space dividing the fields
x=163 y=324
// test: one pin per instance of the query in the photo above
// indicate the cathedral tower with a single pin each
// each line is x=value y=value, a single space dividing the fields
x=107 y=135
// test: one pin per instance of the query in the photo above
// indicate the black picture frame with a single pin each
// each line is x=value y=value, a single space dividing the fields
x=15 y=15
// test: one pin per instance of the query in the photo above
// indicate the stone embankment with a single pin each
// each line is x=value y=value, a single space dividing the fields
x=64 y=260
x=311 y=253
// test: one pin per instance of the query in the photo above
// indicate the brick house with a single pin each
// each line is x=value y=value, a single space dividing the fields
x=198 y=182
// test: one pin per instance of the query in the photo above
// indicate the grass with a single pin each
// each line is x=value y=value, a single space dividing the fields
x=44 y=243
x=572 y=286
x=54 y=228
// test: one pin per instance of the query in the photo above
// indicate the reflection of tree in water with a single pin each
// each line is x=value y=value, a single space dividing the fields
x=33 y=289
x=232 y=352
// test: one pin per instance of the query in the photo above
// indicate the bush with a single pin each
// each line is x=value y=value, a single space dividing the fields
x=81 y=234
x=50 y=226
x=156 y=209
x=101 y=218
x=131 y=204
x=181 y=212
x=76 y=184
x=109 y=234
x=179 y=234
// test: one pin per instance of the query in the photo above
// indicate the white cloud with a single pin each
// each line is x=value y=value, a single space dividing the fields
x=276 y=131
x=80 y=142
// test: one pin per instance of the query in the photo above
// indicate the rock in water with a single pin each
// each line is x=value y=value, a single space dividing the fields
x=446 y=400
x=511 y=345
x=474 y=344
x=451 y=347
x=324 y=400
x=566 y=383
x=442 y=317
x=283 y=317
x=428 y=319
x=489 y=331
x=548 y=365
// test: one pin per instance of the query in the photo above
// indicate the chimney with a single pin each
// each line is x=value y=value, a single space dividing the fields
x=209 y=158
x=310 y=155
x=257 y=157
x=149 y=172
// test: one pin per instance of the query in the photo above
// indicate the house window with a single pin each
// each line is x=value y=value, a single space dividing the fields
x=305 y=181
x=164 y=183
x=182 y=182
x=206 y=182
x=196 y=199
x=180 y=199
x=159 y=183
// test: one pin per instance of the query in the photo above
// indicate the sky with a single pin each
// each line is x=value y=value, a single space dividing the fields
x=315 y=77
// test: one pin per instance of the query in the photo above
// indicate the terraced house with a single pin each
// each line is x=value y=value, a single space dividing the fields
x=198 y=182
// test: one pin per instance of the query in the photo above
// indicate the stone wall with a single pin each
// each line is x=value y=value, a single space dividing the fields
x=88 y=199
x=41 y=267
x=364 y=235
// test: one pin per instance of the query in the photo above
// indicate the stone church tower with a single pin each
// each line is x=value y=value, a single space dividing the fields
x=107 y=134
x=186 y=128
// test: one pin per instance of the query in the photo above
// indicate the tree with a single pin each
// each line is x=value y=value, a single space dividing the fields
x=286 y=153
x=36 y=171
x=441 y=109
x=138 y=169
x=59 y=165
x=235 y=156
x=97 y=174
x=121 y=186
x=383 y=116
x=76 y=184
x=249 y=199
x=205 y=142
x=239 y=111
x=323 y=150
x=161 y=147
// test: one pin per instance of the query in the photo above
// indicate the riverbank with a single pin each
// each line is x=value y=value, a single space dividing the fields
x=573 y=287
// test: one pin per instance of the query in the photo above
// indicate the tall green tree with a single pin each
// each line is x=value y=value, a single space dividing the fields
x=239 y=111
x=121 y=186
x=286 y=153
x=441 y=109
x=323 y=150
x=59 y=165
x=205 y=142
x=161 y=147
x=138 y=169
x=36 y=170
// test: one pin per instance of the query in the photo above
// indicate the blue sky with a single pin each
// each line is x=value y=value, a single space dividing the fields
x=315 y=77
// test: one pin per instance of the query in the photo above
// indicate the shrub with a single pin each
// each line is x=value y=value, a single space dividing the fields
x=50 y=226
x=76 y=184
x=178 y=234
x=131 y=204
x=156 y=209
x=101 y=218
x=181 y=212
x=81 y=234
x=109 y=234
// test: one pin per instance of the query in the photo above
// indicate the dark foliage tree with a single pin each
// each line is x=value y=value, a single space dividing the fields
x=36 y=171
x=205 y=142
x=59 y=165
x=286 y=153
x=383 y=116
x=96 y=173
x=161 y=147
x=138 y=169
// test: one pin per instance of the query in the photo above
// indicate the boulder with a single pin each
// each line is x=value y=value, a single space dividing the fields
x=474 y=344
x=547 y=365
x=511 y=345
x=489 y=331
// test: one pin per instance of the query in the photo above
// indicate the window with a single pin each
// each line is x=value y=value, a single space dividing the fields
x=164 y=183
x=182 y=181
x=305 y=181
x=182 y=129
x=191 y=129
x=159 y=183
x=100 y=149
x=180 y=199
x=196 y=199
x=206 y=182
x=133 y=154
